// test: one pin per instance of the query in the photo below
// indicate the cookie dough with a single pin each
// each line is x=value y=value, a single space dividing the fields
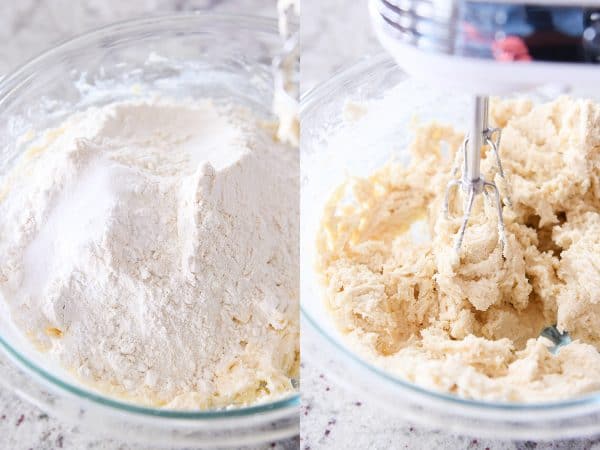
x=470 y=324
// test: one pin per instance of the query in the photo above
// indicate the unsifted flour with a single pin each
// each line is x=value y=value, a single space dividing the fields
x=151 y=246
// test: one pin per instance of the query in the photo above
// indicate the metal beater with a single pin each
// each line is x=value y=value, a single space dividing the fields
x=472 y=182
x=490 y=46
x=286 y=68
x=285 y=64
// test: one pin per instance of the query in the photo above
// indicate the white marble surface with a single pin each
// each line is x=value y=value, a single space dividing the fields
x=27 y=28
x=335 y=33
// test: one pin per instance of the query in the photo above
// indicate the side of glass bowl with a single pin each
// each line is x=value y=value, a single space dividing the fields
x=181 y=56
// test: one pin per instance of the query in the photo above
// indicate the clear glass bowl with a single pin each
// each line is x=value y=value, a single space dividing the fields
x=331 y=150
x=190 y=55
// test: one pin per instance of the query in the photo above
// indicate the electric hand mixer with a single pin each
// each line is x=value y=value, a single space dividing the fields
x=485 y=47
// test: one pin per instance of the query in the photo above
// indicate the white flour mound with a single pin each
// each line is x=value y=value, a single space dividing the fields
x=151 y=246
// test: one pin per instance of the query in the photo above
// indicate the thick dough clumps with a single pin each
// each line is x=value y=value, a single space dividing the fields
x=470 y=324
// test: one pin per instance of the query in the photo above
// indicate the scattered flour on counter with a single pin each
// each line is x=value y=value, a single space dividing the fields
x=151 y=246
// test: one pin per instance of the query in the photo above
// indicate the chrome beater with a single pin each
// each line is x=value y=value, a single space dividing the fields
x=493 y=46
x=472 y=182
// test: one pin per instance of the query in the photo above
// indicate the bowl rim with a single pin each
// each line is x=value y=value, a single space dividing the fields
x=312 y=99
x=114 y=30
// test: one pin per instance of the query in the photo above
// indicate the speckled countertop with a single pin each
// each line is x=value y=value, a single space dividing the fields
x=27 y=28
x=334 y=34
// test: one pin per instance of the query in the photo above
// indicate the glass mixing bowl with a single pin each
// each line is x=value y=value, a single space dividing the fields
x=331 y=150
x=191 y=55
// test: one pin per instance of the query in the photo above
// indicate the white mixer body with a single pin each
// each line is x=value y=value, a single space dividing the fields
x=491 y=47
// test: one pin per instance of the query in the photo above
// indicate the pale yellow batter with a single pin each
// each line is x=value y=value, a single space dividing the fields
x=469 y=325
